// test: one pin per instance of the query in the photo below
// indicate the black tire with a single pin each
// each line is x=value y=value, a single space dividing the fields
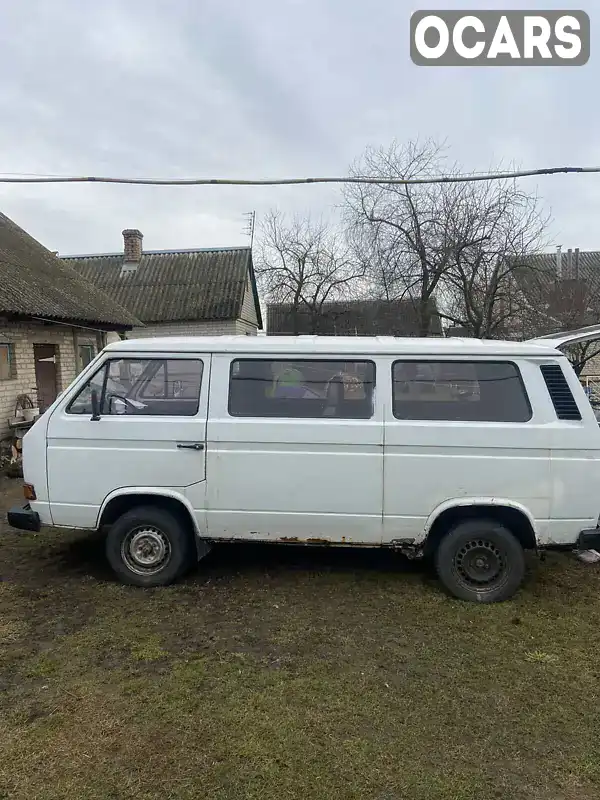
x=481 y=561
x=149 y=546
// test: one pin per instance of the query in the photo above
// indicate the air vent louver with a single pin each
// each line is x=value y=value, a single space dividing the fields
x=560 y=393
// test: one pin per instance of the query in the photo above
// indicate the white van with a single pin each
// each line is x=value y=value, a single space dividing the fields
x=464 y=450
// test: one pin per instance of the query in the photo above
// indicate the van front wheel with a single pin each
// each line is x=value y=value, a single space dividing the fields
x=480 y=560
x=148 y=546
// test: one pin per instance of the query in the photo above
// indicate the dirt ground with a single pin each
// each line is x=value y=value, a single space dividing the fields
x=285 y=672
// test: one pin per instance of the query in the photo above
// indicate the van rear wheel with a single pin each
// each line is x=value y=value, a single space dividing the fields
x=481 y=561
x=149 y=546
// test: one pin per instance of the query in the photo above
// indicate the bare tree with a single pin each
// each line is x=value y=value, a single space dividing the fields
x=495 y=226
x=453 y=244
x=403 y=233
x=304 y=264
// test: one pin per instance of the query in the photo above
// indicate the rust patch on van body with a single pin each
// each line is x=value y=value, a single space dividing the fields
x=308 y=540
x=314 y=540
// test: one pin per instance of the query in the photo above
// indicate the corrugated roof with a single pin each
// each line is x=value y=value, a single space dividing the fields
x=36 y=283
x=352 y=318
x=583 y=265
x=175 y=285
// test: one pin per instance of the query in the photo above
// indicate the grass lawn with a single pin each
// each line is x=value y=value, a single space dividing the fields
x=291 y=673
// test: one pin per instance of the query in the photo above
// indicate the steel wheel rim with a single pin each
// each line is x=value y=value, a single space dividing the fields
x=481 y=565
x=146 y=550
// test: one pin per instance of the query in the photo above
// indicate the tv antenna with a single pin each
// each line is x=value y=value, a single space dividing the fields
x=249 y=229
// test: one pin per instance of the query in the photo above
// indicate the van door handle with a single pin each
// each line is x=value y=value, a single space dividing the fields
x=190 y=445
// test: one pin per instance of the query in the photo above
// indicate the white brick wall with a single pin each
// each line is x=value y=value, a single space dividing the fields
x=592 y=367
x=241 y=327
x=216 y=328
x=23 y=336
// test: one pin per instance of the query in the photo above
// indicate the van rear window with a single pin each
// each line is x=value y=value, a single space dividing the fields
x=459 y=391
x=312 y=389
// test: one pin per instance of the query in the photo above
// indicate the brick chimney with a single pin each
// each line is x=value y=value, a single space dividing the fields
x=132 y=246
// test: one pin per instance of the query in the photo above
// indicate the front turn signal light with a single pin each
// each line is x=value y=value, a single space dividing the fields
x=29 y=491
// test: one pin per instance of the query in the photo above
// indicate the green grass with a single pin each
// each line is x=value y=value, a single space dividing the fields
x=291 y=673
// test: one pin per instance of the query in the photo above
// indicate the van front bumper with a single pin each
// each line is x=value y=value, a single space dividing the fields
x=589 y=539
x=23 y=518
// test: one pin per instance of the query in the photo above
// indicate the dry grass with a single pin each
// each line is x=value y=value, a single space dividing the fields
x=290 y=673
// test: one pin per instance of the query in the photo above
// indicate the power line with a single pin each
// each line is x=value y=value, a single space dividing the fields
x=458 y=178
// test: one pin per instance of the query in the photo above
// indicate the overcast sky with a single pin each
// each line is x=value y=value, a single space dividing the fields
x=265 y=88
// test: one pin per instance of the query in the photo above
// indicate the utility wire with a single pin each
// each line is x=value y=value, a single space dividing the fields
x=459 y=178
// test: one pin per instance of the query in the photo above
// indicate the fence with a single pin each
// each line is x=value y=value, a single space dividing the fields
x=591 y=384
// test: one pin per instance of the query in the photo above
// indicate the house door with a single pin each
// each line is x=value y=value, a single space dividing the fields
x=45 y=374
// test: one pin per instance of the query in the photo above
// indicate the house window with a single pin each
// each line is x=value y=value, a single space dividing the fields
x=86 y=354
x=8 y=368
x=459 y=391
x=302 y=389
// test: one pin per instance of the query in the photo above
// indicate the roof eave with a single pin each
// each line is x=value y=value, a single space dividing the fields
x=75 y=322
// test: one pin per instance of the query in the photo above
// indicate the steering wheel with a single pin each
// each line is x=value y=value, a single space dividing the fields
x=127 y=404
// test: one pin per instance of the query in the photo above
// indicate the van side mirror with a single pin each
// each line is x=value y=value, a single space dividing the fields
x=95 y=406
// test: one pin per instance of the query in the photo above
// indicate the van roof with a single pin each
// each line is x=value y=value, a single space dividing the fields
x=333 y=345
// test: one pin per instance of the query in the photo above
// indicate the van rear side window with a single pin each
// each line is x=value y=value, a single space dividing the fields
x=459 y=391
x=310 y=389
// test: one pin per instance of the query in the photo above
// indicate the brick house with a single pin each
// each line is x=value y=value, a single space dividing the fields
x=351 y=318
x=51 y=323
x=178 y=292
x=563 y=290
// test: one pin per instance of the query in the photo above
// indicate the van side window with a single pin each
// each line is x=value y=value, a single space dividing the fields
x=310 y=389
x=148 y=387
x=82 y=402
x=459 y=391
